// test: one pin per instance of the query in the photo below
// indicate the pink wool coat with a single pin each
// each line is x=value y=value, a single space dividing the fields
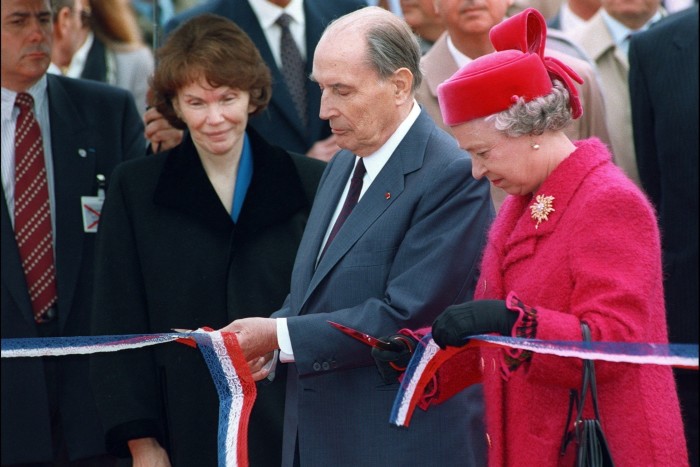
x=596 y=259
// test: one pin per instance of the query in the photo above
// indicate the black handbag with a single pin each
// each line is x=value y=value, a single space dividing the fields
x=591 y=446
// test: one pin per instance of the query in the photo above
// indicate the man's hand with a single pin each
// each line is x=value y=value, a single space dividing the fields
x=146 y=452
x=256 y=336
x=324 y=150
x=159 y=132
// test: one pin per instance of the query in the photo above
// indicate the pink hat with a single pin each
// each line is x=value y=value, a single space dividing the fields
x=518 y=68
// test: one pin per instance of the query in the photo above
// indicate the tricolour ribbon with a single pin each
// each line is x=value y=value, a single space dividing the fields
x=227 y=365
x=427 y=359
x=236 y=388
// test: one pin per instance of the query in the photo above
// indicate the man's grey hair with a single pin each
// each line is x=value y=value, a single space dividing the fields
x=390 y=42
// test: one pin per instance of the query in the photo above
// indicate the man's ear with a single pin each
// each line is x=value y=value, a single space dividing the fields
x=403 y=84
x=62 y=22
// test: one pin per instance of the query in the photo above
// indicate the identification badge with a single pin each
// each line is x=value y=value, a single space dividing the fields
x=92 y=206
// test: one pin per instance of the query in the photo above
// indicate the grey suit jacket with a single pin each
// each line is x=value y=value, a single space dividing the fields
x=410 y=248
x=102 y=121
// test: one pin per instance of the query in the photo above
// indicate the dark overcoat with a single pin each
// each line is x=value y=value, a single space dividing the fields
x=169 y=256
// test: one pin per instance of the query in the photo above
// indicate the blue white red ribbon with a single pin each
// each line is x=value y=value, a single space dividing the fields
x=237 y=390
x=225 y=360
x=427 y=359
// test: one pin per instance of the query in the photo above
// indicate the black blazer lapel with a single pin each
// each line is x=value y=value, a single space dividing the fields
x=74 y=161
x=96 y=62
x=184 y=186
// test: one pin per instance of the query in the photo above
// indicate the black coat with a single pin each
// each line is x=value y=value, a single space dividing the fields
x=663 y=82
x=94 y=127
x=169 y=256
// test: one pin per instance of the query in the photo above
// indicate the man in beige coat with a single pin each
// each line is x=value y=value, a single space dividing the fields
x=467 y=38
x=605 y=38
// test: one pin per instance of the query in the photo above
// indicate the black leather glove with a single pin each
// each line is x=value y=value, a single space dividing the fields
x=458 y=322
x=392 y=363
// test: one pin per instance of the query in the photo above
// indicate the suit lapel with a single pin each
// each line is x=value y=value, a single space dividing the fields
x=74 y=155
x=439 y=64
x=281 y=98
x=325 y=202
x=96 y=62
x=407 y=158
x=184 y=186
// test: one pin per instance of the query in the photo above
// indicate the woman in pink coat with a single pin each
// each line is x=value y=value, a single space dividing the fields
x=574 y=242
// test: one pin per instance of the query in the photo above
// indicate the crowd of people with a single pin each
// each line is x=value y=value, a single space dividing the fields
x=457 y=167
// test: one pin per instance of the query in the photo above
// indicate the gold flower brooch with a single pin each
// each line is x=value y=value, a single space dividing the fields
x=541 y=208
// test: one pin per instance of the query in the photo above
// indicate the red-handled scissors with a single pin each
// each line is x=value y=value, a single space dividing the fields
x=365 y=338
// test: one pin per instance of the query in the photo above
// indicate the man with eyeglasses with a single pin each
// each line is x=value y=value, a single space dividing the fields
x=70 y=31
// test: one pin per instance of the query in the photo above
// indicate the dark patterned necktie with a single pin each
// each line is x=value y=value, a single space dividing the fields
x=350 y=201
x=32 y=210
x=293 y=67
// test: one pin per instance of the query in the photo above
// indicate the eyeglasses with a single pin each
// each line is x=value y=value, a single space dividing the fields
x=85 y=15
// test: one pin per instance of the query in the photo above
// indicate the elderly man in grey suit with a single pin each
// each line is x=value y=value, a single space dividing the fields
x=409 y=247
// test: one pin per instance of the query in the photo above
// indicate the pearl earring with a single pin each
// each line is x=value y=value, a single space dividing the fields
x=535 y=146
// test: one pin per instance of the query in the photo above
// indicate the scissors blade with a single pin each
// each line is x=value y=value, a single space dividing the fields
x=363 y=337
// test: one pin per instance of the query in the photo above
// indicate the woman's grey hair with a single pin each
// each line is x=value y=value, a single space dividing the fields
x=550 y=112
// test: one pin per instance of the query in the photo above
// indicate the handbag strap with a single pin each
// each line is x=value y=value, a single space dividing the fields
x=588 y=379
x=578 y=398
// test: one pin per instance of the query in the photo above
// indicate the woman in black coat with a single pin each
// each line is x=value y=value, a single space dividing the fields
x=196 y=236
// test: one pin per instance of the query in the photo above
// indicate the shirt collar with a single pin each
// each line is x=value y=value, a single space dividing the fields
x=376 y=161
x=268 y=12
x=458 y=56
x=619 y=31
x=569 y=20
x=77 y=63
x=37 y=91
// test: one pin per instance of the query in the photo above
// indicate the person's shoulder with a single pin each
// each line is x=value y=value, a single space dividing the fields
x=85 y=90
x=334 y=9
x=139 y=169
x=211 y=6
x=672 y=25
x=607 y=185
x=307 y=164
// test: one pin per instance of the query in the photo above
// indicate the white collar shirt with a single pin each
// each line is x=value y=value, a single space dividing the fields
x=268 y=13
x=9 y=122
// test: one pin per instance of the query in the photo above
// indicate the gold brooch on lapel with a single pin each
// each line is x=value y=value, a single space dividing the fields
x=541 y=208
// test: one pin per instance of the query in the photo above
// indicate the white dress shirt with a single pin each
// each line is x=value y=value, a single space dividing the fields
x=9 y=122
x=268 y=13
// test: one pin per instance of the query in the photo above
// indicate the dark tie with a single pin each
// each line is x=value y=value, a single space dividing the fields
x=32 y=210
x=293 y=67
x=350 y=201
